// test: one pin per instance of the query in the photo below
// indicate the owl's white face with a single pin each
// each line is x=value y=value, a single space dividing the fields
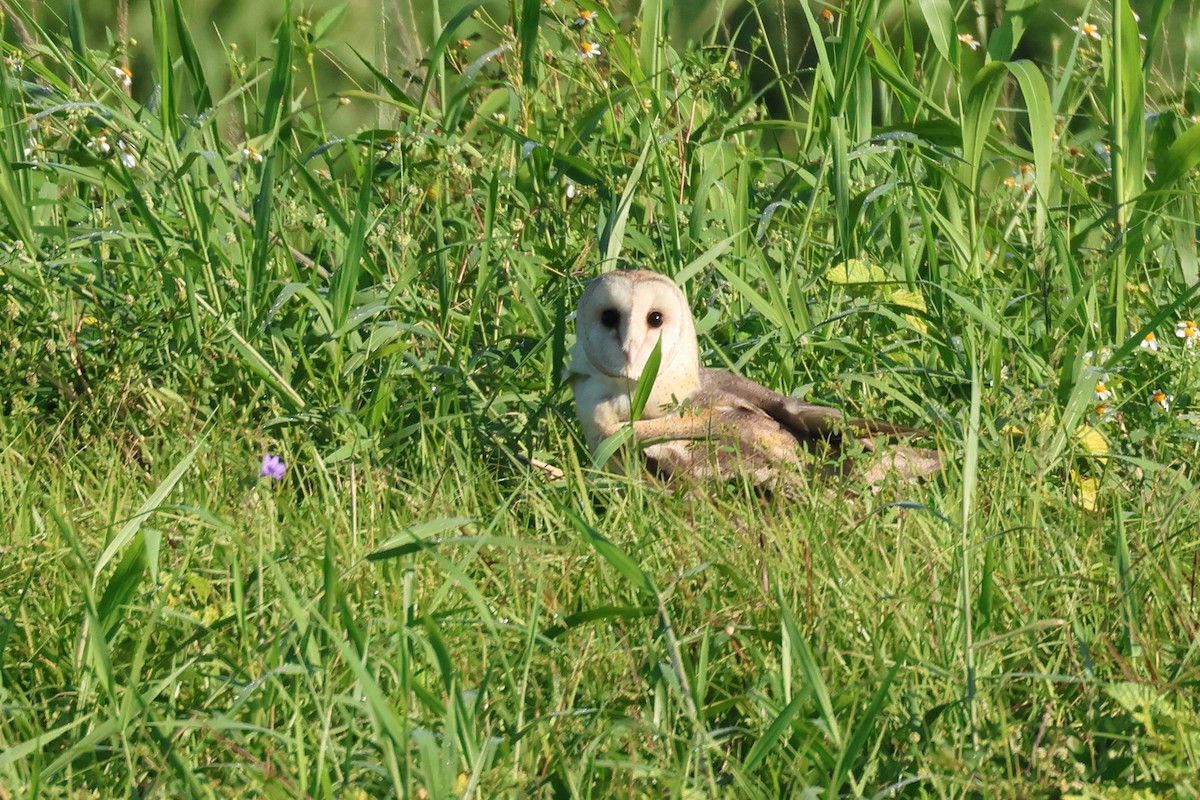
x=623 y=315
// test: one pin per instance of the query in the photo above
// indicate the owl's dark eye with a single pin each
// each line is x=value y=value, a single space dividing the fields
x=610 y=318
x=654 y=319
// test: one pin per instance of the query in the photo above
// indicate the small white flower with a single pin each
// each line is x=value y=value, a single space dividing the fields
x=990 y=380
x=500 y=117
x=1104 y=413
x=1161 y=399
x=1150 y=342
x=252 y=154
x=100 y=144
x=123 y=76
x=572 y=190
x=14 y=62
x=128 y=157
x=31 y=147
x=1103 y=393
x=1085 y=28
x=1189 y=332
x=589 y=50
x=969 y=40
x=585 y=17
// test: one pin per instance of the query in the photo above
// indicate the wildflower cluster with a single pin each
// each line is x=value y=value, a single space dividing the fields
x=1149 y=382
x=103 y=144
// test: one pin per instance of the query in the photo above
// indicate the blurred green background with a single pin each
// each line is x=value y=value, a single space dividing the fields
x=232 y=35
x=393 y=35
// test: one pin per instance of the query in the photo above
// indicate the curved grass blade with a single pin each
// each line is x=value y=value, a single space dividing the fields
x=617 y=558
x=645 y=383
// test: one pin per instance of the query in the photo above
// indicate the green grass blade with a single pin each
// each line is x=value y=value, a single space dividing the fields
x=645 y=384
x=612 y=238
x=344 y=282
x=202 y=99
x=617 y=558
x=849 y=755
x=15 y=211
x=527 y=37
x=814 y=681
x=437 y=53
x=770 y=738
x=1041 y=132
x=279 y=90
x=168 y=92
x=939 y=16
x=152 y=504
x=1013 y=24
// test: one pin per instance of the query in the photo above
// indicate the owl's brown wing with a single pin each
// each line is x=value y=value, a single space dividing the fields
x=724 y=437
x=819 y=429
x=804 y=420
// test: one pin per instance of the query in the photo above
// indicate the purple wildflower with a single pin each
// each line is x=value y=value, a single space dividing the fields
x=272 y=467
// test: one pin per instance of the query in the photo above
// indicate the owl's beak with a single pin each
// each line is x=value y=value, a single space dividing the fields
x=627 y=353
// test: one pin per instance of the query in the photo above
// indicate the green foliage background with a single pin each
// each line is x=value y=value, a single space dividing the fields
x=367 y=265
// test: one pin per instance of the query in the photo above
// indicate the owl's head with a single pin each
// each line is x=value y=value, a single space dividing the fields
x=623 y=315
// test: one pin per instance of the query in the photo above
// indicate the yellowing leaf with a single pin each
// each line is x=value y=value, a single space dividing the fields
x=1143 y=703
x=855 y=270
x=910 y=299
x=1087 y=491
x=907 y=298
x=1092 y=441
x=1044 y=421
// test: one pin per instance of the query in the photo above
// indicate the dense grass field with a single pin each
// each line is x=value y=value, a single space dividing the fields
x=436 y=594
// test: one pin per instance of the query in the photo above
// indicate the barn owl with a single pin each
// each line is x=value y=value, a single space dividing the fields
x=703 y=422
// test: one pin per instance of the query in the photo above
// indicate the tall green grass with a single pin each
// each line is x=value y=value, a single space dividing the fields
x=442 y=597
